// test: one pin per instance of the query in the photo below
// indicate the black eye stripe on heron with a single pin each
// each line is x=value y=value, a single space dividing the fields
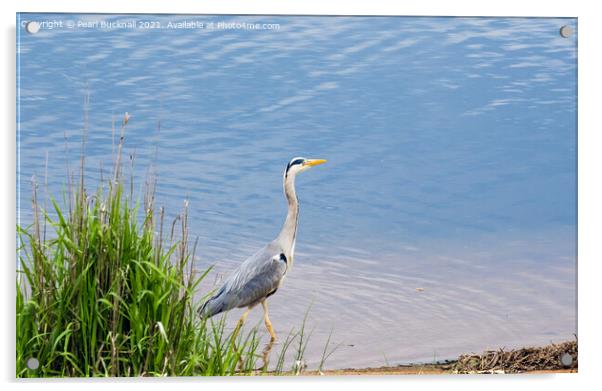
x=293 y=163
x=296 y=161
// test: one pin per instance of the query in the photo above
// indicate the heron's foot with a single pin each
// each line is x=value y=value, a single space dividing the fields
x=241 y=365
x=266 y=354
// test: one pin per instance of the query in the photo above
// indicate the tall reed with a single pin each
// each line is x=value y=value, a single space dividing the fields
x=108 y=293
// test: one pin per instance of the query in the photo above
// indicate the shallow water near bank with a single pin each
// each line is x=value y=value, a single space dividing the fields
x=445 y=219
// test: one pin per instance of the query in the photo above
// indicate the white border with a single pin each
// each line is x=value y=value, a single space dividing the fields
x=590 y=194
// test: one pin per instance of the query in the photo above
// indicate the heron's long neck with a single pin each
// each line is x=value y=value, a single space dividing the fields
x=289 y=230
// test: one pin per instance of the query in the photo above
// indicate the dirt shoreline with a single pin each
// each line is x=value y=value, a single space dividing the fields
x=549 y=359
x=418 y=369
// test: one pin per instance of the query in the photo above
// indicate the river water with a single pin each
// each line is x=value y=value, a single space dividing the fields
x=445 y=219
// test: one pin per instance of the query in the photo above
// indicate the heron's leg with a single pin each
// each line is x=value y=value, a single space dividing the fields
x=241 y=321
x=266 y=318
x=237 y=329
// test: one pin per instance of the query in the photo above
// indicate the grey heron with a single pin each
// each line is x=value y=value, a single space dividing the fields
x=260 y=275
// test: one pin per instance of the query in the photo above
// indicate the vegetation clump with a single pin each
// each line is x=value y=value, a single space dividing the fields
x=550 y=357
x=103 y=291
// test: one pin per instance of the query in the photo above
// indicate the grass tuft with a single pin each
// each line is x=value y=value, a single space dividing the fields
x=106 y=293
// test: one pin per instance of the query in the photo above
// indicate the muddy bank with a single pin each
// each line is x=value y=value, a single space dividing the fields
x=553 y=358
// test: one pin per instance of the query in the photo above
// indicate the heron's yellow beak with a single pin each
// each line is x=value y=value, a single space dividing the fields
x=313 y=162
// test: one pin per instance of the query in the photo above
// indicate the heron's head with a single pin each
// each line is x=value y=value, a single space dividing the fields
x=300 y=164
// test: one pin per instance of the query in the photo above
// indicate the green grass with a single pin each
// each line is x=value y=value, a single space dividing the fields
x=107 y=292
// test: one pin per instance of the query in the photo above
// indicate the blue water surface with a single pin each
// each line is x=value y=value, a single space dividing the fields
x=445 y=219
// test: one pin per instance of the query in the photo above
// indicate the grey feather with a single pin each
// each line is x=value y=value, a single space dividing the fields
x=256 y=278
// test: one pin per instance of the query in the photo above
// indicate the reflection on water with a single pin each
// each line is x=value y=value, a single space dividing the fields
x=444 y=221
x=265 y=354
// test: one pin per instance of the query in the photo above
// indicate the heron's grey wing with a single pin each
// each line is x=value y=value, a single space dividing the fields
x=257 y=277
x=262 y=282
